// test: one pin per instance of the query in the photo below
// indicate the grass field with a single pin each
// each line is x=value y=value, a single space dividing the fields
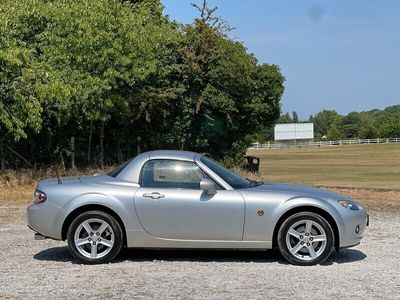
x=368 y=173
x=353 y=166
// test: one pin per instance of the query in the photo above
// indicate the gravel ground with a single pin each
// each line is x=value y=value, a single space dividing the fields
x=45 y=269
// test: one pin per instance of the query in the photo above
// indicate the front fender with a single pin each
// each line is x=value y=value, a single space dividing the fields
x=298 y=202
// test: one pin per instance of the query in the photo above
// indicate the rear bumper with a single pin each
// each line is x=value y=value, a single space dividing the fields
x=41 y=218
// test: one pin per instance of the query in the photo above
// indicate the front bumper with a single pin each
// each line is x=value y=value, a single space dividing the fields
x=355 y=223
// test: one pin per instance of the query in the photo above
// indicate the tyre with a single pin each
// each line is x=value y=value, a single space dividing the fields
x=306 y=239
x=95 y=237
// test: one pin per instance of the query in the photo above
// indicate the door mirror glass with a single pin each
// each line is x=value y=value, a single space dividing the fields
x=208 y=186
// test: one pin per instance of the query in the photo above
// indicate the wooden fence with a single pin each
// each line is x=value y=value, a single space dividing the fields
x=325 y=143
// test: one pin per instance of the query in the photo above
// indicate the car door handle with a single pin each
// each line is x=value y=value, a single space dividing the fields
x=154 y=195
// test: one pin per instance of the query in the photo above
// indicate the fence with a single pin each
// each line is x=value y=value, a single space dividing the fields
x=326 y=143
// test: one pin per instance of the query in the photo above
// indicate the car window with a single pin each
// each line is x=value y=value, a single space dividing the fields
x=117 y=170
x=171 y=174
x=233 y=179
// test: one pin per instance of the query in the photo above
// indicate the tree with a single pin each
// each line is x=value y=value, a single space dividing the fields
x=20 y=106
x=367 y=128
x=336 y=131
x=295 y=117
x=225 y=94
x=351 y=125
x=80 y=61
x=284 y=119
x=388 y=126
x=119 y=75
x=322 y=122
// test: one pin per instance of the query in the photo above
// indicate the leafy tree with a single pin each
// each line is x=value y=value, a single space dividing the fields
x=336 y=131
x=389 y=125
x=225 y=96
x=322 y=122
x=295 y=117
x=20 y=106
x=285 y=119
x=367 y=129
x=78 y=60
x=119 y=76
x=351 y=125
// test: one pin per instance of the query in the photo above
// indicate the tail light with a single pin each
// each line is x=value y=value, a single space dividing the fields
x=39 y=197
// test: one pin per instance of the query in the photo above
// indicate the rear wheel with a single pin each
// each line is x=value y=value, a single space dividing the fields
x=306 y=238
x=95 y=237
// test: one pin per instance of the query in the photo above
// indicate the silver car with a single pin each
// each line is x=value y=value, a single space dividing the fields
x=177 y=199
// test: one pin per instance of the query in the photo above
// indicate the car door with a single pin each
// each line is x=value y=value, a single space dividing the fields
x=171 y=205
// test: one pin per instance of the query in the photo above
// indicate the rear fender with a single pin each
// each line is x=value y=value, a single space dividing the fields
x=124 y=210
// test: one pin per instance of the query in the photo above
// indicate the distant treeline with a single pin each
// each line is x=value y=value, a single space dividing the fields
x=94 y=82
x=328 y=124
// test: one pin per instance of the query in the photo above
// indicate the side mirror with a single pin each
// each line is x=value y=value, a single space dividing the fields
x=208 y=186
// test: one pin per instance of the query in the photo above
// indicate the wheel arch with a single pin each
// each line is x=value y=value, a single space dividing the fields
x=88 y=207
x=307 y=208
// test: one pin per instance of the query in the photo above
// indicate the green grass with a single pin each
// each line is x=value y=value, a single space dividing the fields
x=354 y=166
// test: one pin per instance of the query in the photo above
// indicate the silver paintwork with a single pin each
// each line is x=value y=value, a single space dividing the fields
x=179 y=218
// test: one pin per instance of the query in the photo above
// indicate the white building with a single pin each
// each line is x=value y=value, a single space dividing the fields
x=297 y=133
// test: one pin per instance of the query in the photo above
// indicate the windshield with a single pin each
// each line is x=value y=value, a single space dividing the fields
x=233 y=179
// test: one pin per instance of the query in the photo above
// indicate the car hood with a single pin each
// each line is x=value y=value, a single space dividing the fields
x=294 y=190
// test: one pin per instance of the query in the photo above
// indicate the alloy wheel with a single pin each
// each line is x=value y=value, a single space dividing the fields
x=94 y=238
x=306 y=240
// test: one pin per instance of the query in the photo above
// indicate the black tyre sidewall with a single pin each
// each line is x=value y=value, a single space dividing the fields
x=98 y=215
x=305 y=216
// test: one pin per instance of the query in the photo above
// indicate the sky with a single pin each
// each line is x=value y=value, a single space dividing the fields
x=342 y=54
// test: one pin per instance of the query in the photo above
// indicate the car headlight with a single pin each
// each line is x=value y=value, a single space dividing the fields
x=349 y=204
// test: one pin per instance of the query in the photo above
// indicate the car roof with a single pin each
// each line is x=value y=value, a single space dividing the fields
x=132 y=170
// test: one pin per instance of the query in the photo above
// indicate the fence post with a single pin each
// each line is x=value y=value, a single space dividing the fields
x=138 y=140
x=2 y=157
x=72 y=152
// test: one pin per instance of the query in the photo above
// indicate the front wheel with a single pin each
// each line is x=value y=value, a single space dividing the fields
x=95 y=237
x=306 y=238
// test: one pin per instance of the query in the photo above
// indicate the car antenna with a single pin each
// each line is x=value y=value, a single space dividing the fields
x=52 y=161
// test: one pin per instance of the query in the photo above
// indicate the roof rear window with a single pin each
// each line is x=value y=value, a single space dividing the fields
x=117 y=170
